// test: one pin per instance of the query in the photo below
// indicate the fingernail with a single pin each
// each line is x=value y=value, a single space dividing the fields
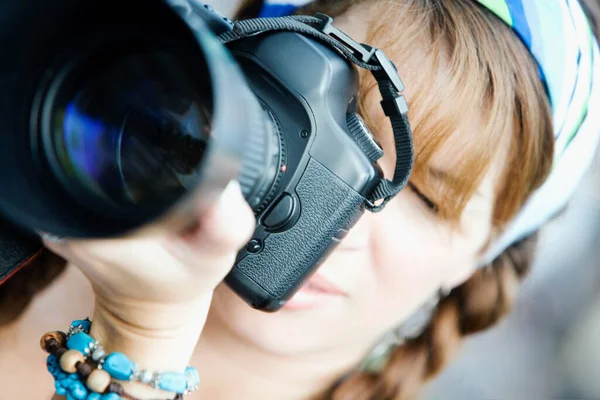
x=51 y=238
x=230 y=196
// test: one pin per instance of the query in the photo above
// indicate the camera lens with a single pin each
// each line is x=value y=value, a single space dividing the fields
x=130 y=133
x=122 y=114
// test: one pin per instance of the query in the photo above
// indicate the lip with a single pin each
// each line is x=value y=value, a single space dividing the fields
x=321 y=284
x=316 y=292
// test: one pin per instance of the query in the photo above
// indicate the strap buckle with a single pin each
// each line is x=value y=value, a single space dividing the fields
x=363 y=53
x=390 y=70
x=369 y=55
x=397 y=105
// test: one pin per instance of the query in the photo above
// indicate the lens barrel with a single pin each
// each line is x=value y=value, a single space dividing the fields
x=117 y=114
x=264 y=160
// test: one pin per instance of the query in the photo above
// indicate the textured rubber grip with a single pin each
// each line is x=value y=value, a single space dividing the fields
x=274 y=274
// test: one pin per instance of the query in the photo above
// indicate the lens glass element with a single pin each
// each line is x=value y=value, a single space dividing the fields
x=134 y=131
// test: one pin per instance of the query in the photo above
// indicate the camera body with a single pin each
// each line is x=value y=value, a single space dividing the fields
x=327 y=164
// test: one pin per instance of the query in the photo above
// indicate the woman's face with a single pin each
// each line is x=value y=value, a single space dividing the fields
x=388 y=265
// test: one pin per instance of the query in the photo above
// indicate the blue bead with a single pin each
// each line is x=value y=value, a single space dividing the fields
x=80 y=342
x=118 y=366
x=192 y=374
x=67 y=382
x=94 y=396
x=85 y=325
x=172 y=382
x=111 y=396
x=78 y=390
x=59 y=389
x=61 y=375
x=70 y=397
x=51 y=360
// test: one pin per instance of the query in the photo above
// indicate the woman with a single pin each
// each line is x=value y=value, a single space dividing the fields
x=450 y=249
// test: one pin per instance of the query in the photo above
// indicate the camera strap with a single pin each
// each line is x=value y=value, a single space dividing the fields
x=384 y=71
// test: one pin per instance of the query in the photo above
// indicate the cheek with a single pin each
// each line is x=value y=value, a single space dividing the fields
x=413 y=256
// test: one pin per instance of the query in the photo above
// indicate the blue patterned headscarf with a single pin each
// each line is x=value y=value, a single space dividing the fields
x=560 y=38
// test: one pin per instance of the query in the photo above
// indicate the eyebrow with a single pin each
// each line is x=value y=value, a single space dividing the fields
x=440 y=175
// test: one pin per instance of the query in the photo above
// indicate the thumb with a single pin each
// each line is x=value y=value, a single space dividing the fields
x=225 y=227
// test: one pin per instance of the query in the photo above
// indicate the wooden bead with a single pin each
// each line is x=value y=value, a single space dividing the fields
x=52 y=341
x=59 y=353
x=84 y=370
x=51 y=345
x=98 y=381
x=69 y=360
x=115 y=387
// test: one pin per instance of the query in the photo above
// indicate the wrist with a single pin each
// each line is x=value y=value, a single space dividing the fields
x=157 y=337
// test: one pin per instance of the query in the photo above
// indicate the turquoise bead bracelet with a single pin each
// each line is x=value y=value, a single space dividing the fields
x=81 y=368
x=120 y=367
x=73 y=388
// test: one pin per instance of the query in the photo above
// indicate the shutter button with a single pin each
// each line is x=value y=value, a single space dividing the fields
x=281 y=213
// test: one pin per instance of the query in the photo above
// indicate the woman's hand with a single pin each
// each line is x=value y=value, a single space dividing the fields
x=153 y=291
x=165 y=268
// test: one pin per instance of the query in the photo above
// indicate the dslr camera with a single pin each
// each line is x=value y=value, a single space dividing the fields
x=119 y=115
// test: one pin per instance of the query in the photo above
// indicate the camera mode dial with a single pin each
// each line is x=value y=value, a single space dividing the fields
x=364 y=137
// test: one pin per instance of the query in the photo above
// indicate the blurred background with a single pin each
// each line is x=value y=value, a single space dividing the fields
x=550 y=345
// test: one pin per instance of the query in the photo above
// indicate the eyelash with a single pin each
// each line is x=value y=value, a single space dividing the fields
x=430 y=204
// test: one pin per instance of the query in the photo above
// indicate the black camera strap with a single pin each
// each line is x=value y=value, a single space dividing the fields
x=390 y=85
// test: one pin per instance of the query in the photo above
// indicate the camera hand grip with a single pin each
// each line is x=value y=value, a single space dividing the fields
x=267 y=279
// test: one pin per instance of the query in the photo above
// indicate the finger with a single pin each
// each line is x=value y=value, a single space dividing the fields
x=225 y=227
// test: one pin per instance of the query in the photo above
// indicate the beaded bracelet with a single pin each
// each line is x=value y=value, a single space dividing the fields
x=73 y=368
x=121 y=368
x=73 y=386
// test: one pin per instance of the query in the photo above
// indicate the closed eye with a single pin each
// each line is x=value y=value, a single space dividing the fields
x=428 y=202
